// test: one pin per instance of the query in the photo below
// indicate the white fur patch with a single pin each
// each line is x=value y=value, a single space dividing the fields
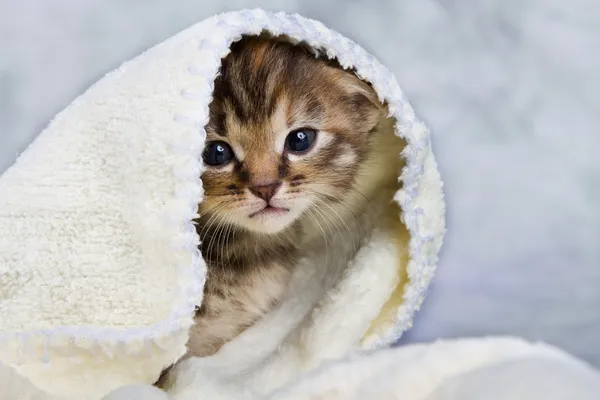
x=238 y=151
x=347 y=156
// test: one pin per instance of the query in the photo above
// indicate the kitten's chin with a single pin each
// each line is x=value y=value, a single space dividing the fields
x=270 y=220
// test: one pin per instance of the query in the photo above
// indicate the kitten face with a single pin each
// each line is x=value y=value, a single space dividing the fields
x=287 y=132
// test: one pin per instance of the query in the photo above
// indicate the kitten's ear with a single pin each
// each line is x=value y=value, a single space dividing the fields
x=363 y=100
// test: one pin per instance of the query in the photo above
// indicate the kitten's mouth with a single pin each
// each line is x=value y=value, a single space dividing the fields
x=269 y=211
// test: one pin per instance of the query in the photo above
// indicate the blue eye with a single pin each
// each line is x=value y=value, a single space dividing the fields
x=217 y=153
x=300 y=140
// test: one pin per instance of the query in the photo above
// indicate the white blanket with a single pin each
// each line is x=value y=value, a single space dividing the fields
x=465 y=369
x=99 y=262
x=99 y=258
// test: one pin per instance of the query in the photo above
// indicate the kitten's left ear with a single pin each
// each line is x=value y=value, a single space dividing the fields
x=367 y=108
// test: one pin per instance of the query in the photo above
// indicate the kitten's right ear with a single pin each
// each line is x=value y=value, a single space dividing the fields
x=363 y=99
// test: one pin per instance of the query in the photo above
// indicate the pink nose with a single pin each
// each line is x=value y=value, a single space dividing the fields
x=265 y=192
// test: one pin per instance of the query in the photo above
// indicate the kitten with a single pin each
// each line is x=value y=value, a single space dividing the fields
x=287 y=131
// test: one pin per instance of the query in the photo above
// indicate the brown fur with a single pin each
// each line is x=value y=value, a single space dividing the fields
x=267 y=88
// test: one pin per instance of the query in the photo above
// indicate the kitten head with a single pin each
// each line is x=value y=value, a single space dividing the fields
x=286 y=131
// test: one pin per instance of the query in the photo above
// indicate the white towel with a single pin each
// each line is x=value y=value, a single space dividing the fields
x=495 y=368
x=99 y=266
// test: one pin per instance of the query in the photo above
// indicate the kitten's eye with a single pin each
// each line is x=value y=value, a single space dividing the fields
x=217 y=153
x=300 y=140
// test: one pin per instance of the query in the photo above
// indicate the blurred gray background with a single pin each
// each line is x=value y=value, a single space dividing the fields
x=510 y=88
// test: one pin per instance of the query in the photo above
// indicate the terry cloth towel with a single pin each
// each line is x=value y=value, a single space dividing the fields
x=100 y=270
x=495 y=368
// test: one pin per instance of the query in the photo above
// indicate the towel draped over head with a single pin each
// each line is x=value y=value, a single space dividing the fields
x=100 y=271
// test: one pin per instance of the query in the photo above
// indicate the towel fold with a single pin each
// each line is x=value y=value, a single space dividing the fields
x=99 y=262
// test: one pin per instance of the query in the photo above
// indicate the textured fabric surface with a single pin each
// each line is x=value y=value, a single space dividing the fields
x=509 y=88
x=99 y=259
x=494 y=368
x=466 y=369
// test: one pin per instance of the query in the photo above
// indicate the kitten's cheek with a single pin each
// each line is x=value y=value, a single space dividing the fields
x=298 y=207
x=304 y=203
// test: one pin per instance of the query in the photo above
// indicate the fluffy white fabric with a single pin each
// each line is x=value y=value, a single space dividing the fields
x=98 y=257
x=495 y=81
x=465 y=369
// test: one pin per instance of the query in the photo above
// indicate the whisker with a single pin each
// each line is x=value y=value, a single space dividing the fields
x=222 y=236
x=335 y=237
x=362 y=210
x=217 y=234
x=344 y=224
x=206 y=226
x=315 y=221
